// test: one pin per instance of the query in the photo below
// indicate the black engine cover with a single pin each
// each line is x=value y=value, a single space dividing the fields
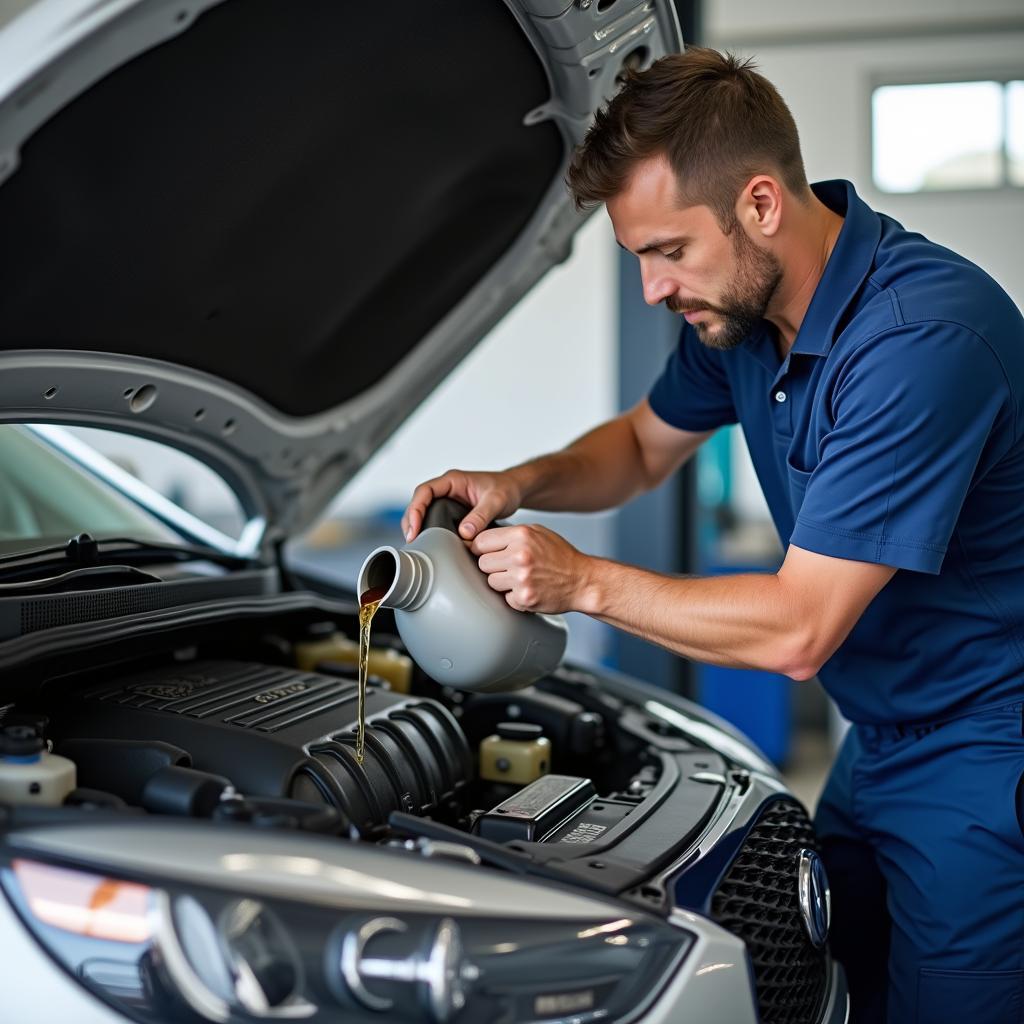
x=278 y=732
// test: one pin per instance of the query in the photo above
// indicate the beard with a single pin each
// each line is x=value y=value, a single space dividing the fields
x=744 y=302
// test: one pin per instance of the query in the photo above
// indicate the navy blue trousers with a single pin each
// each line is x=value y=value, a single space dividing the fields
x=922 y=833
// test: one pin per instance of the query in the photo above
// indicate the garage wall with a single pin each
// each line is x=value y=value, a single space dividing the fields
x=725 y=21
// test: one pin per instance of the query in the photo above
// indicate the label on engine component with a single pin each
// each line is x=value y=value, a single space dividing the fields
x=269 y=696
x=166 y=691
x=540 y=795
x=584 y=832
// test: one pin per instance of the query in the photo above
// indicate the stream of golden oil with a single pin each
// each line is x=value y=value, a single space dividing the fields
x=369 y=602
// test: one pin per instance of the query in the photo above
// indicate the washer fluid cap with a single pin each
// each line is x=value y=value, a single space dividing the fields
x=525 y=731
x=20 y=741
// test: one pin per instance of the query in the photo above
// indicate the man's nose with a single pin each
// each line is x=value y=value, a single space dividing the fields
x=657 y=287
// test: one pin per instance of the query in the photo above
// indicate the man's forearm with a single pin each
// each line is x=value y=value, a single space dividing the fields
x=742 y=621
x=600 y=470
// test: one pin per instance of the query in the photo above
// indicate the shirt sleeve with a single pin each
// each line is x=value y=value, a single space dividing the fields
x=693 y=390
x=920 y=414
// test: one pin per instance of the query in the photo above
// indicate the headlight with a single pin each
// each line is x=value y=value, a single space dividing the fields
x=158 y=952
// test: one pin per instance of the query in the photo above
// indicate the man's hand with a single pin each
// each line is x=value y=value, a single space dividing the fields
x=489 y=496
x=610 y=464
x=534 y=568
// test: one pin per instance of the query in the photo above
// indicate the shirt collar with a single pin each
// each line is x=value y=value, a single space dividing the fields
x=849 y=264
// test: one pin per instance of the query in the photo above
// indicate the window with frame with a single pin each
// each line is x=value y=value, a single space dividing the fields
x=948 y=136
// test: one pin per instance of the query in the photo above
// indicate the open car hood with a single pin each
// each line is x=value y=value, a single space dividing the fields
x=262 y=231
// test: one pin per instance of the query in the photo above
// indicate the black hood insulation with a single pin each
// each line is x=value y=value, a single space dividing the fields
x=289 y=195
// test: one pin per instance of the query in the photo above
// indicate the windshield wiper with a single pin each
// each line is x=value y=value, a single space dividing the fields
x=91 y=577
x=83 y=551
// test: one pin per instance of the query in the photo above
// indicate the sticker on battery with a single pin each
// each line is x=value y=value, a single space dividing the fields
x=584 y=832
x=541 y=795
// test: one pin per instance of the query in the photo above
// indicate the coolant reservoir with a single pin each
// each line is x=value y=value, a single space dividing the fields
x=517 y=753
x=461 y=632
x=29 y=774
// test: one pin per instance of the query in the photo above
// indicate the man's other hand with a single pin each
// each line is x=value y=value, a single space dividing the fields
x=489 y=496
x=536 y=569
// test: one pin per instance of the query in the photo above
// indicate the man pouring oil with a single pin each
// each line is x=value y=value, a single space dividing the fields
x=879 y=380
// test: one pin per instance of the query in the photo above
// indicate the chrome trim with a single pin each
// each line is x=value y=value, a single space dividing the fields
x=187 y=983
x=353 y=965
x=443 y=974
x=815 y=897
x=837 y=1002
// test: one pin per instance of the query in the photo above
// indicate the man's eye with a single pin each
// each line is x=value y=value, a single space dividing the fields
x=674 y=254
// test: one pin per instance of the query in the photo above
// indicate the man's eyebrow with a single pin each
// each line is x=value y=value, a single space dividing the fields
x=658 y=243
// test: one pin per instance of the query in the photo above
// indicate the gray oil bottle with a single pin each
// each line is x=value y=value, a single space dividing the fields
x=461 y=632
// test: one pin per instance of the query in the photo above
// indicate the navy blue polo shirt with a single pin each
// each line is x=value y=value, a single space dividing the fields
x=893 y=432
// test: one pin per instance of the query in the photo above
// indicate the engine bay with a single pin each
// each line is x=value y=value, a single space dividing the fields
x=560 y=779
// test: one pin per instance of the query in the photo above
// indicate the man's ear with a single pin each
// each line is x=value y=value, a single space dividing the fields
x=759 y=207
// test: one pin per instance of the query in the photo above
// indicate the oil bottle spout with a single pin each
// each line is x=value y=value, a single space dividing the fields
x=405 y=576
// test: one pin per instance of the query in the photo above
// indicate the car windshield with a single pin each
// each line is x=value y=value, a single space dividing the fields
x=45 y=498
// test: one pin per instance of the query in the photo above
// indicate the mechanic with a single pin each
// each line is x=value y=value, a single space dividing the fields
x=879 y=381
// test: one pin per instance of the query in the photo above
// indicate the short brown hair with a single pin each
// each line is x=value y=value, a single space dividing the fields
x=716 y=120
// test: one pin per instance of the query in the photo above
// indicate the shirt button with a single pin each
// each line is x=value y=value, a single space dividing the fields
x=780 y=396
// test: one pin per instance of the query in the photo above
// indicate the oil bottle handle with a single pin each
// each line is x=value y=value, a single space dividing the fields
x=446 y=513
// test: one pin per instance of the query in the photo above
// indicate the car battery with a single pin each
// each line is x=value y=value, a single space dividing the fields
x=555 y=808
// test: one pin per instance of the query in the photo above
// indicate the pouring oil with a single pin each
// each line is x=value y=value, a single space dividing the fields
x=369 y=602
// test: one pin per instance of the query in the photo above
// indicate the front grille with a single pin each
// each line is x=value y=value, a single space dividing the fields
x=757 y=901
